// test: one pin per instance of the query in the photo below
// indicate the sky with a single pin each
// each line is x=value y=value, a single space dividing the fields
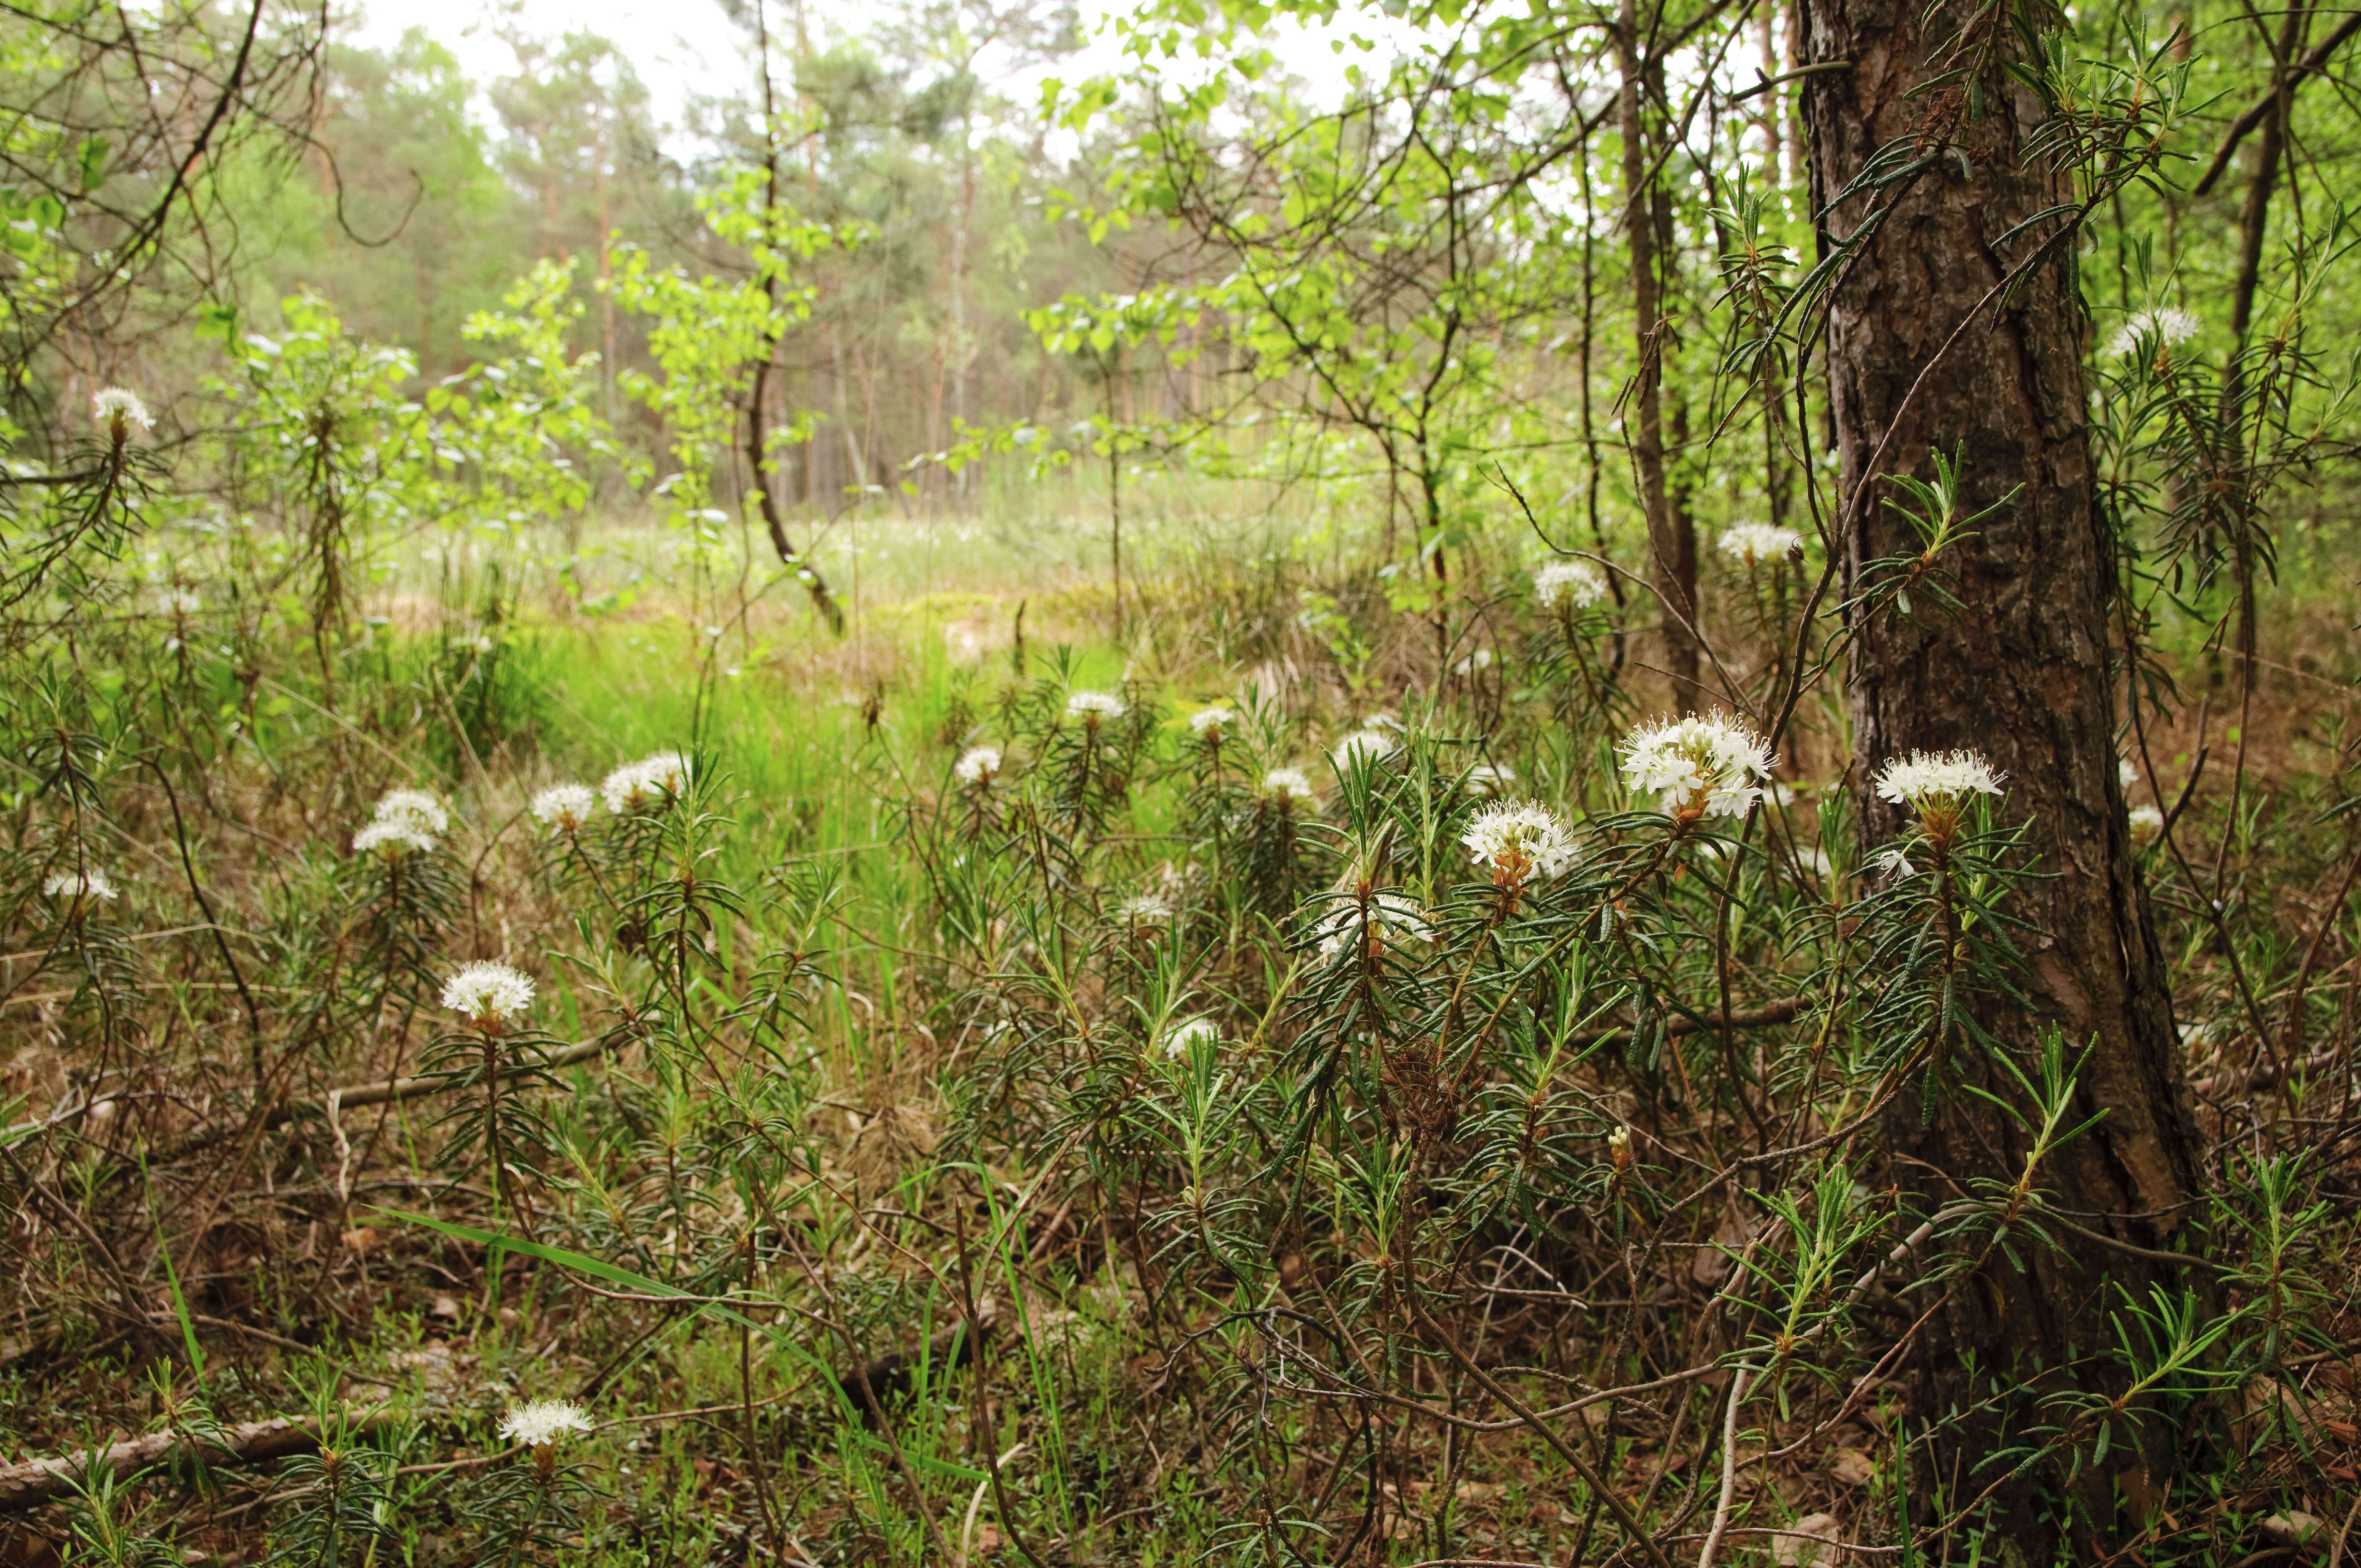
x=685 y=48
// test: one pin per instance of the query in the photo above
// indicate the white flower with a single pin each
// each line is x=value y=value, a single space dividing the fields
x=78 y=885
x=117 y=406
x=544 y=1421
x=649 y=782
x=1382 y=721
x=1185 y=1037
x=2147 y=822
x=1698 y=766
x=1343 y=926
x=565 y=807
x=487 y=992
x=1485 y=778
x=1754 y=543
x=977 y=764
x=1479 y=660
x=1519 y=841
x=1215 y=718
x=178 y=601
x=414 y=809
x=1145 y=910
x=1937 y=778
x=2125 y=774
x=392 y=840
x=626 y=789
x=1579 y=583
x=2168 y=325
x=1891 y=861
x=667 y=771
x=1288 y=783
x=1091 y=707
x=1370 y=745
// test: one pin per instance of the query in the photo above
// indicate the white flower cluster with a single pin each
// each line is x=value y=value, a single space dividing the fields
x=565 y=807
x=1370 y=744
x=488 y=993
x=1186 y=1037
x=1216 y=718
x=119 y=406
x=1694 y=764
x=1389 y=913
x=414 y=809
x=977 y=765
x=653 y=781
x=2147 y=822
x=1092 y=707
x=77 y=886
x=1577 y=583
x=1289 y=784
x=1937 y=778
x=407 y=821
x=544 y=1421
x=1756 y=542
x=1148 y=909
x=391 y=840
x=1519 y=841
x=2168 y=325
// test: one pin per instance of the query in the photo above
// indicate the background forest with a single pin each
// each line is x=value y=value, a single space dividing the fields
x=1450 y=783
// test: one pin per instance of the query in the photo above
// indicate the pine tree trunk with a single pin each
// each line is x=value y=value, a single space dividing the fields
x=1672 y=539
x=2024 y=675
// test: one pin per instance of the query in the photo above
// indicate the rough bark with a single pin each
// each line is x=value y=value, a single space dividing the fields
x=1672 y=540
x=2024 y=675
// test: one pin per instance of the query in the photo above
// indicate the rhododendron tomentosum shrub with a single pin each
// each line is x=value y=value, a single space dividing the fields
x=1366 y=746
x=1213 y=724
x=650 y=784
x=1143 y=914
x=1518 y=843
x=564 y=809
x=978 y=767
x=1939 y=787
x=488 y=1066
x=1185 y=1039
x=79 y=893
x=488 y=995
x=1288 y=784
x=542 y=1423
x=1565 y=587
x=2167 y=327
x=1713 y=766
x=119 y=411
x=1094 y=709
x=1371 y=926
x=1759 y=543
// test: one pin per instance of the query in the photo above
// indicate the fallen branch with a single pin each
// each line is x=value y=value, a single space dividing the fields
x=38 y=1481
x=2264 y=1075
x=377 y=1093
x=397 y=1089
x=1784 y=1011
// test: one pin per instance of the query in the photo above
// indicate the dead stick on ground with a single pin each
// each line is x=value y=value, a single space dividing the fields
x=38 y=1481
